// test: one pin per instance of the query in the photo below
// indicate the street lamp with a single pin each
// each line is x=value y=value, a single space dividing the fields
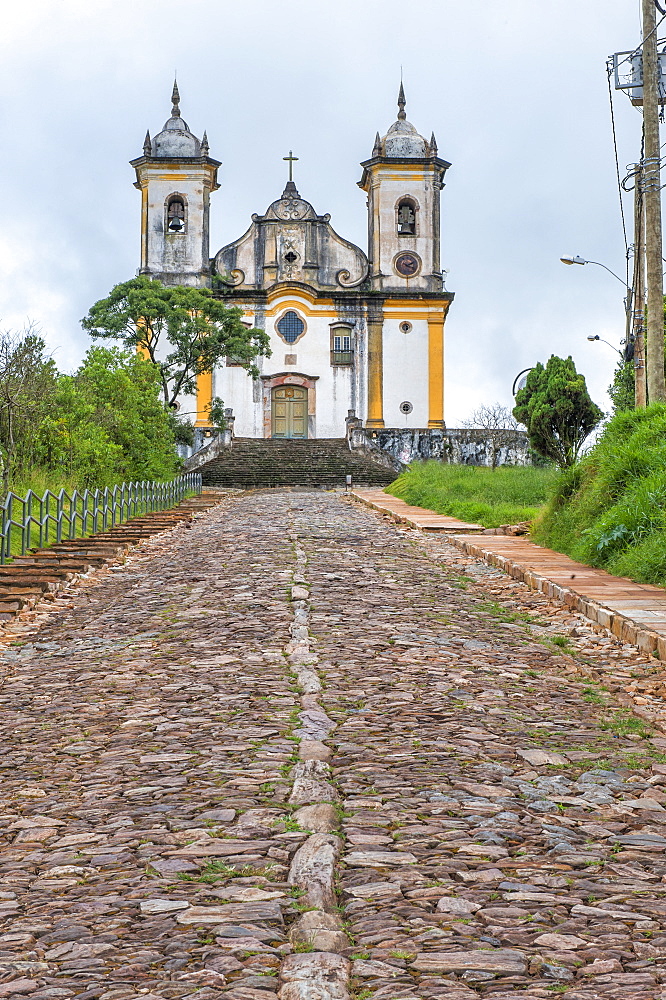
x=581 y=260
x=631 y=345
x=597 y=337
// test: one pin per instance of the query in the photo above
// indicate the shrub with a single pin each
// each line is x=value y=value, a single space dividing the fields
x=610 y=510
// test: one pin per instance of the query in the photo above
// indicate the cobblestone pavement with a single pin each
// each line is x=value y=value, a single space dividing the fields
x=296 y=750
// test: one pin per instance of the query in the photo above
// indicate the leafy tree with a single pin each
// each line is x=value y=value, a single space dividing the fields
x=500 y=426
x=184 y=331
x=182 y=430
x=109 y=423
x=216 y=413
x=557 y=410
x=28 y=381
x=622 y=389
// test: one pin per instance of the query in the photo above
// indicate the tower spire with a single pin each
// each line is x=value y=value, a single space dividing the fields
x=401 y=103
x=147 y=144
x=175 y=101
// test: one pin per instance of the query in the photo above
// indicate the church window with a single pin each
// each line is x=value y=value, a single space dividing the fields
x=291 y=257
x=342 y=350
x=290 y=327
x=406 y=218
x=175 y=214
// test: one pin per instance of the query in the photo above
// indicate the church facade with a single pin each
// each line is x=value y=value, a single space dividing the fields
x=349 y=330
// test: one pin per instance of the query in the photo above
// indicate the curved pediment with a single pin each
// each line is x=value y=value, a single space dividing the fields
x=291 y=243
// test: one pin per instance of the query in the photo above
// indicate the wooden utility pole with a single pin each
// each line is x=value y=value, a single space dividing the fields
x=651 y=182
x=638 y=296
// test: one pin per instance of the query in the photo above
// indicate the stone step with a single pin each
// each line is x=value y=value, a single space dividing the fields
x=322 y=462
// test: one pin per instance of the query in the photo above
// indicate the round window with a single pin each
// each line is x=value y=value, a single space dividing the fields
x=406 y=327
x=406 y=407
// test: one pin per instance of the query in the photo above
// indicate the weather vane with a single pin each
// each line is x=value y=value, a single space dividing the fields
x=292 y=159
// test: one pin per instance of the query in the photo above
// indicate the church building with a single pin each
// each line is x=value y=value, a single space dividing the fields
x=349 y=330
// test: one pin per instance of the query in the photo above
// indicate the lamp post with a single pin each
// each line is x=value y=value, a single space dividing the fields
x=597 y=337
x=581 y=260
x=633 y=329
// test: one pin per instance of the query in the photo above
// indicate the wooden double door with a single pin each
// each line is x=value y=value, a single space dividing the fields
x=289 y=412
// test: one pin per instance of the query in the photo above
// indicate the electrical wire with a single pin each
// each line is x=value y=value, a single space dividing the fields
x=617 y=173
x=638 y=48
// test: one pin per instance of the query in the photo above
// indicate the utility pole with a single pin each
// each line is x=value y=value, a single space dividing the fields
x=638 y=296
x=651 y=183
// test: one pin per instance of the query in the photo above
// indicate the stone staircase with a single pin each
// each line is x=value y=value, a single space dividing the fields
x=253 y=463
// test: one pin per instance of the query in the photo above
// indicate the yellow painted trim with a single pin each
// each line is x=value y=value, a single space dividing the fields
x=308 y=309
x=288 y=288
x=427 y=305
x=204 y=399
x=375 y=416
x=435 y=370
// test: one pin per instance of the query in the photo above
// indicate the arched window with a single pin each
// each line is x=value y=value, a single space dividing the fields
x=406 y=218
x=175 y=214
x=290 y=327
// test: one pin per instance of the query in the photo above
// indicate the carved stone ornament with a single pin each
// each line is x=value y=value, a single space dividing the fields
x=345 y=279
x=292 y=208
x=235 y=277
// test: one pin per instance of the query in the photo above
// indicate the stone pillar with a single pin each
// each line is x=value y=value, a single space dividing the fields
x=144 y=229
x=436 y=369
x=375 y=416
x=204 y=399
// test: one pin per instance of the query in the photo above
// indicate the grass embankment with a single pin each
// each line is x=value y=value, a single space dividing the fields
x=610 y=510
x=476 y=494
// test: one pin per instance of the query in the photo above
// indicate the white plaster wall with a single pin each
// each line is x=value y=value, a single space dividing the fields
x=177 y=252
x=188 y=407
x=406 y=373
x=238 y=390
x=390 y=186
x=336 y=388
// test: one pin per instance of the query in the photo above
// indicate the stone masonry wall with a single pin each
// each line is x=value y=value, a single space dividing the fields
x=398 y=447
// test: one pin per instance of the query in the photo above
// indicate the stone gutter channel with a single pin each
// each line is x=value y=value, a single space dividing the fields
x=323 y=972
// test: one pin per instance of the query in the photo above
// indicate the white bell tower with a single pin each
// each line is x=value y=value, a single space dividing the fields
x=403 y=180
x=175 y=176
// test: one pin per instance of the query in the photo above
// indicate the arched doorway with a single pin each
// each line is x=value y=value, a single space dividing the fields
x=289 y=412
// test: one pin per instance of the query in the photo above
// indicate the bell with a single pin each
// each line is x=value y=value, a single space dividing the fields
x=175 y=224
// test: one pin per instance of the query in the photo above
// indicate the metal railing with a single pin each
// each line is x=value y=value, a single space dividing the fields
x=38 y=520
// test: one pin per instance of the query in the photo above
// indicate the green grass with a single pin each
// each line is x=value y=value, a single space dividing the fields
x=625 y=723
x=610 y=509
x=477 y=494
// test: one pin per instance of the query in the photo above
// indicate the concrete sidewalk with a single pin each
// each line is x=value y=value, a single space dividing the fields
x=634 y=612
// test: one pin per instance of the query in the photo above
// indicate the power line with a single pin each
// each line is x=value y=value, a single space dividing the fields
x=638 y=48
x=617 y=173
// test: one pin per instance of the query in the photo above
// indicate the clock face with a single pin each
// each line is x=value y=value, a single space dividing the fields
x=407 y=264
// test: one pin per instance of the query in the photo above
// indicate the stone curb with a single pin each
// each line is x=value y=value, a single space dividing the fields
x=621 y=626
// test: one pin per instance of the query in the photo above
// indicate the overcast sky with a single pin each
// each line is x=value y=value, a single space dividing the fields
x=516 y=92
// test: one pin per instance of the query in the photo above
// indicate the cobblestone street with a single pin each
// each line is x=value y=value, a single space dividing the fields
x=297 y=750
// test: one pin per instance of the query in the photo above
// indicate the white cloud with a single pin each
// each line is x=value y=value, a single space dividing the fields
x=516 y=93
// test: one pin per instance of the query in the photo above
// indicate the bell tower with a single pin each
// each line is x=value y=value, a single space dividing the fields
x=406 y=313
x=403 y=180
x=175 y=176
